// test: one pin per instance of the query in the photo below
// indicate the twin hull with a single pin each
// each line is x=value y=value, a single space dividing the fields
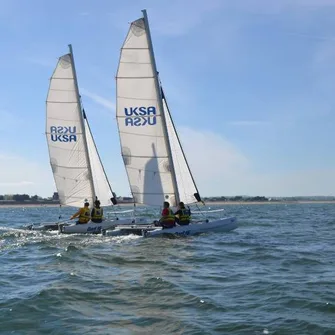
x=87 y=228
x=140 y=226
x=221 y=225
x=95 y=228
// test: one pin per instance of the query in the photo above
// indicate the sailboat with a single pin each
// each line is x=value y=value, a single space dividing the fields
x=76 y=165
x=154 y=159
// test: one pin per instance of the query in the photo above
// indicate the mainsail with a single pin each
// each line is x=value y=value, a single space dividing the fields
x=156 y=166
x=74 y=160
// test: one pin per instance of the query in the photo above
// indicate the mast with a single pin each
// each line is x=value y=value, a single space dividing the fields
x=160 y=102
x=82 y=124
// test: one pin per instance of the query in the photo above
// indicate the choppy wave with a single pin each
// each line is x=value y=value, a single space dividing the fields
x=273 y=275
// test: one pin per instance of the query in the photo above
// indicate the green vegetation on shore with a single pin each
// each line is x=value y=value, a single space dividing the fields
x=245 y=198
x=54 y=199
x=27 y=199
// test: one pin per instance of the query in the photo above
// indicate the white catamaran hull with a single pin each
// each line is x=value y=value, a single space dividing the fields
x=95 y=228
x=221 y=225
x=87 y=228
x=68 y=227
x=47 y=226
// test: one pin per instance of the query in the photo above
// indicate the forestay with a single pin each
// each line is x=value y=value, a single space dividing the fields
x=140 y=124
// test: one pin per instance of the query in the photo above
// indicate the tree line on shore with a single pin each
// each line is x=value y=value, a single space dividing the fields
x=27 y=198
x=240 y=198
x=18 y=198
x=54 y=199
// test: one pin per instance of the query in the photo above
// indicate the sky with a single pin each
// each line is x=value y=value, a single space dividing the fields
x=250 y=85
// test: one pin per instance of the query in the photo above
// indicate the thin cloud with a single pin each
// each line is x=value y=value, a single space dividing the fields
x=40 y=61
x=98 y=99
x=313 y=3
x=248 y=123
x=179 y=18
x=325 y=54
x=277 y=7
x=169 y=21
x=16 y=184
x=6 y=157
x=223 y=169
x=220 y=161
x=37 y=177
x=312 y=36
x=8 y=120
x=173 y=18
x=308 y=182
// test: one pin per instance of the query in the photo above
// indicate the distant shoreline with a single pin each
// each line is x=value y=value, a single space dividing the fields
x=282 y=202
x=208 y=203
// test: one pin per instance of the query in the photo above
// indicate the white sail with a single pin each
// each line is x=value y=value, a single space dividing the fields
x=75 y=162
x=64 y=133
x=140 y=124
x=102 y=187
x=186 y=185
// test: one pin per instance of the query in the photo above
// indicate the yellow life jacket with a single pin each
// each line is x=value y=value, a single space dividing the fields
x=84 y=215
x=170 y=218
x=97 y=213
x=184 y=217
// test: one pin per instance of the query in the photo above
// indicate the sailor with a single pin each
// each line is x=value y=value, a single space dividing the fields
x=83 y=214
x=183 y=215
x=167 y=219
x=97 y=212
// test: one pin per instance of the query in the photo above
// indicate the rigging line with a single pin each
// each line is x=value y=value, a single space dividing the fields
x=134 y=211
x=59 y=212
x=201 y=212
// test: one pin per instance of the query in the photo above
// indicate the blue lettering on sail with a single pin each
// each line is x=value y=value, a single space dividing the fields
x=140 y=116
x=63 y=134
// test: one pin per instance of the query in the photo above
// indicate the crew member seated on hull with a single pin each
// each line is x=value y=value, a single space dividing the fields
x=83 y=214
x=97 y=212
x=167 y=219
x=183 y=215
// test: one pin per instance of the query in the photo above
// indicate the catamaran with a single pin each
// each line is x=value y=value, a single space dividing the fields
x=154 y=159
x=76 y=165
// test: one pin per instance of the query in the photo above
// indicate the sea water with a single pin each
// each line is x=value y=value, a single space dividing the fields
x=275 y=274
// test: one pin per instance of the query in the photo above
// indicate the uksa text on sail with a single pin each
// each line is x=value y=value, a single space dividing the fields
x=63 y=134
x=140 y=116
